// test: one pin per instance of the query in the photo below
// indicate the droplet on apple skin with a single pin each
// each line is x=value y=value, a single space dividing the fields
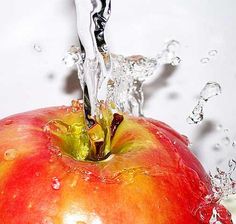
x=37 y=174
x=10 y=154
x=47 y=220
x=8 y=122
x=56 y=185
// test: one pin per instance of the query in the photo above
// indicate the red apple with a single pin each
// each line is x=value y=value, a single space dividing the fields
x=151 y=177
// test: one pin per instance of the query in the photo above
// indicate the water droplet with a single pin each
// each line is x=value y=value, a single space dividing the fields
x=10 y=154
x=47 y=220
x=226 y=140
x=204 y=60
x=55 y=183
x=197 y=114
x=172 y=45
x=214 y=218
x=37 y=48
x=73 y=57
x=212 y=53
x=211 y=89
x=37 y=174
x=222 y=182
x=8 y=122
x=175 y=61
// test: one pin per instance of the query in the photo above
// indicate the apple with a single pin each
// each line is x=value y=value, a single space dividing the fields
x=149 y=177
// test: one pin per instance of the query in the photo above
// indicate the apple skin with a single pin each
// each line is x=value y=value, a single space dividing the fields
x=151 y=177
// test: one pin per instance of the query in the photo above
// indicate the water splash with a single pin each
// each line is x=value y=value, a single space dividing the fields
x=210 y=90
x=73 y=57
x=128 y=74
x=223 y=184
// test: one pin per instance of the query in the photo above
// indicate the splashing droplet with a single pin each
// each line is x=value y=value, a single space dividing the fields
x=210 y=90
x=223 y=185
x=73 y=56
x=213 y=53
x=55 y=183
x=175 y=61
x=128 y=75
x=37 y=48
x=197 y=114
x=204 y=60
x=10 y=154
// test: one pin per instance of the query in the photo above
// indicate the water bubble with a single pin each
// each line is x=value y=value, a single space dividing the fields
x=10 y=154
x=212 y=53
x=37 y=48
x=204 y=60
x=55 y=183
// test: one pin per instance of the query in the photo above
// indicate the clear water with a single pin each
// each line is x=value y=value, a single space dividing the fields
x=92 y=17
x=128 y=74
x=210 y=90
x=223 y=183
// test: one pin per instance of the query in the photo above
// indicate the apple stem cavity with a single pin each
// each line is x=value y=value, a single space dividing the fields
x=79 y=142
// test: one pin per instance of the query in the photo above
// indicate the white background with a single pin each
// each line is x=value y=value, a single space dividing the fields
x=31 y=79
